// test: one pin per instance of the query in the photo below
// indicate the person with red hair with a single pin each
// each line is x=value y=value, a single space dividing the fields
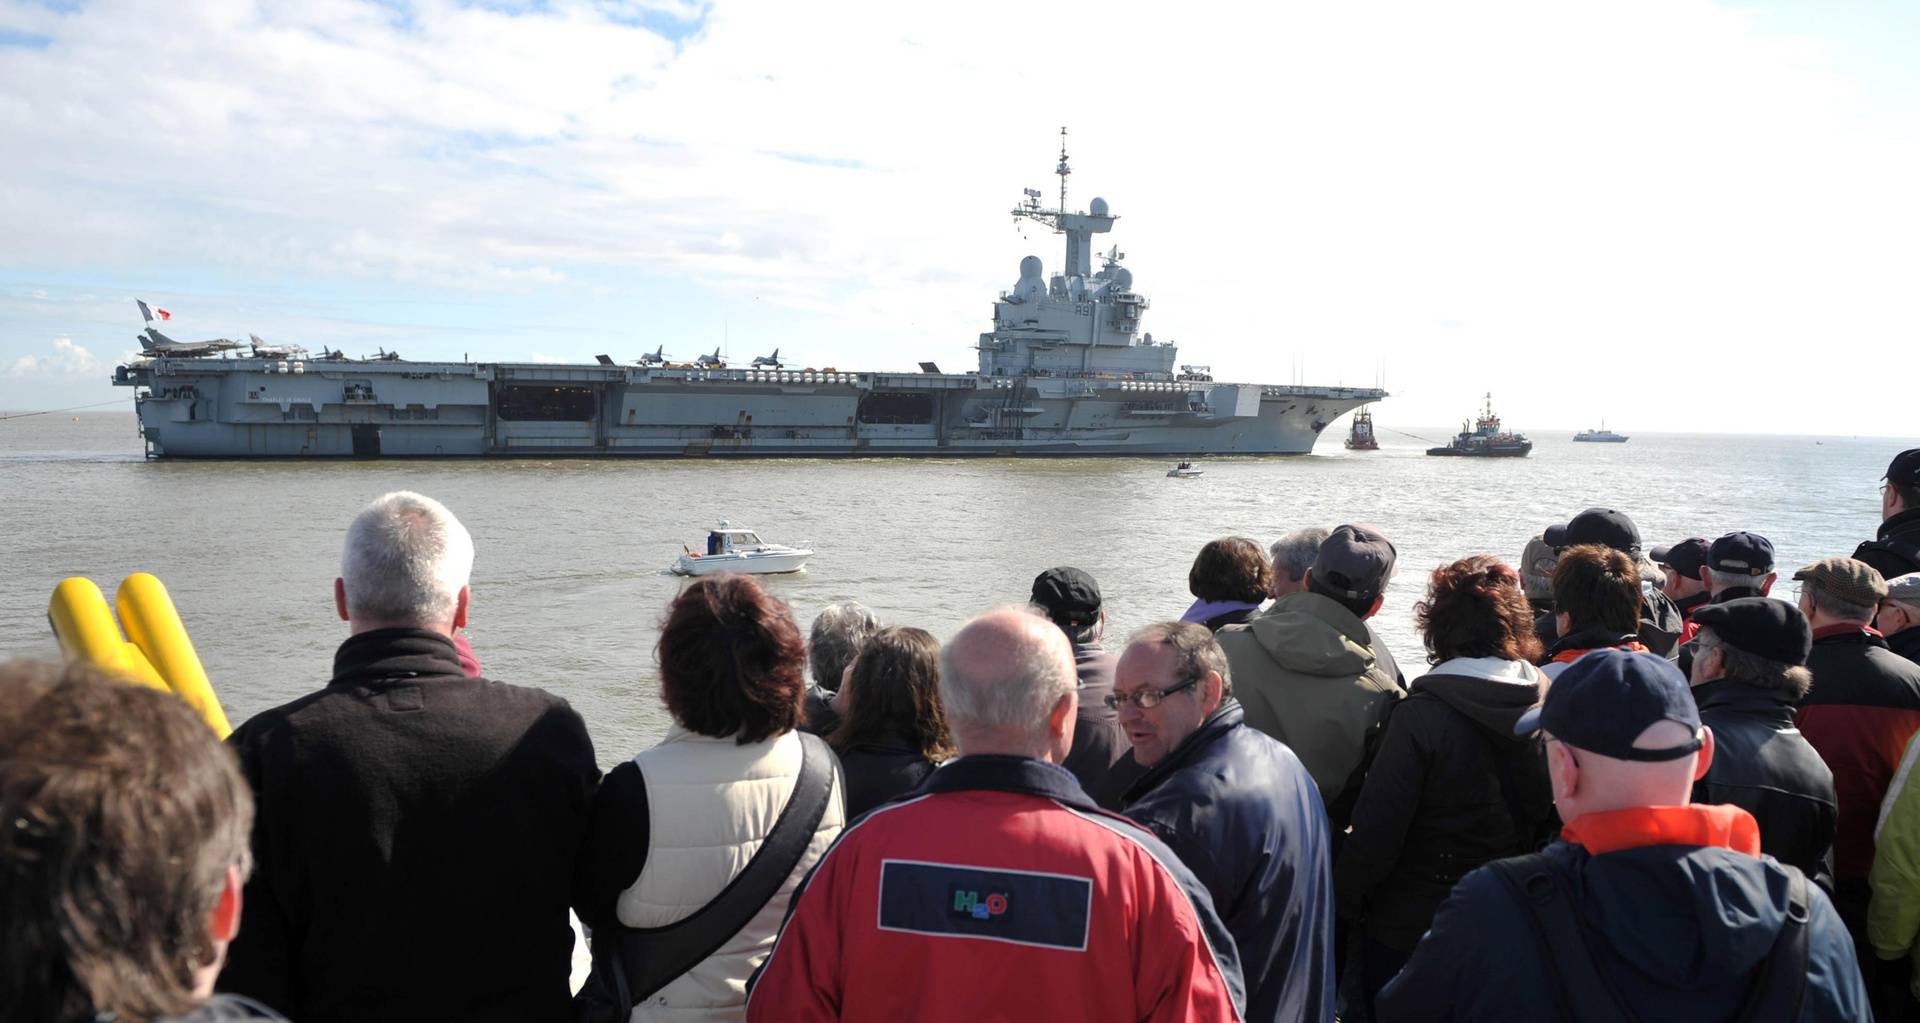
x=1451 y=787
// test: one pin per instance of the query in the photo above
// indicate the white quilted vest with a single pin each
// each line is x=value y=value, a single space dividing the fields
x=710 y=804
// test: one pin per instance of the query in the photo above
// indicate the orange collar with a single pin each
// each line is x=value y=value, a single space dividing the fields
x=1721 y=827
x=1569 y=656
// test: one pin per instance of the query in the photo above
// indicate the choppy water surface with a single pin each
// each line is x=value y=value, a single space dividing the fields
x=569 y=582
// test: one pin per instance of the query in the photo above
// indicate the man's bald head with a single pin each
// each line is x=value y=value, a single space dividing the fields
x=1003 y=680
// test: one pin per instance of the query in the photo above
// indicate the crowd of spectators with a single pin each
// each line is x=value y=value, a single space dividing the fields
x=1629 y=784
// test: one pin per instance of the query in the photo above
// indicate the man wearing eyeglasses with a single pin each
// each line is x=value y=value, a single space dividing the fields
x=1649 y=907
x=1899 y=618
x=1238 y=808
x=1896 y=549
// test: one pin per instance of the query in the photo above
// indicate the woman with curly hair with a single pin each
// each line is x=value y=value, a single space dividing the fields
x=675 y=825
x=892 y=732
x=1451 y=787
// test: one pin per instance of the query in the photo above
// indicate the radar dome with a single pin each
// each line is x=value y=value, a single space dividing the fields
x=1098 y=206
x=1122 y=279
x=1030 y=266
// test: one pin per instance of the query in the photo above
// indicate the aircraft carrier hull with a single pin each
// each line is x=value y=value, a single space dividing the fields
x=258 y=408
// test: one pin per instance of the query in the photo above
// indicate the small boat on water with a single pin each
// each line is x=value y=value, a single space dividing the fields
x=1360 y=435
x=1185 y=471
x=1601 y=436
x=731 y=549
x=1485 y=439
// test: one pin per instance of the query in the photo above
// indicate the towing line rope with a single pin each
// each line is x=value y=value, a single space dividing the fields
x=70 y=408
x=1415 y=436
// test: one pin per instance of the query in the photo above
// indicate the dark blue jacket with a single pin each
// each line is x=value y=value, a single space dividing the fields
x=1678 y=931
x=1244 y=815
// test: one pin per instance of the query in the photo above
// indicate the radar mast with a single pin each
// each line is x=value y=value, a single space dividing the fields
x=1078 y=227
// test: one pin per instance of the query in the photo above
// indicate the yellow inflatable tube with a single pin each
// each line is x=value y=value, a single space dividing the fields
x=153 y=624
x=87 y=632
x=160 y=655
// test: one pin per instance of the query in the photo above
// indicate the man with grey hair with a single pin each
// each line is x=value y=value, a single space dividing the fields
x=839 y=631
x=1293 y=555
x=418 y=828
x=1899 y=617
x=1240 y=810
x=997 y=889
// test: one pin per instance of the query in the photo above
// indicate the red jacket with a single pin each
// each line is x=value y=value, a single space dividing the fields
x=1862 y=709
x=997 y=891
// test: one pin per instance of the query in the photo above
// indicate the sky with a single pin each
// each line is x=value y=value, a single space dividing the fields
x=1673 y=214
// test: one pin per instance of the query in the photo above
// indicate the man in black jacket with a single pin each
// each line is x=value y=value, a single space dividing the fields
x=1895 y=550
x=1239 y=809
x=1070 y=599
x=1899 y=617
x=417 y=829
x=1749 y=673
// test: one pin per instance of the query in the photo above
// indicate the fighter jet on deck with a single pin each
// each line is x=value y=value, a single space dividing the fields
x=713 y=360
x=154 y=343
x=386 y=356
x=769 y=360
x=657 y=357
x=263 y=350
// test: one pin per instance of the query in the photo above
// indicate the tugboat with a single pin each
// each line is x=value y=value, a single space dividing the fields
x=1486 y=439
x=1360 y=436
x=1601 y=436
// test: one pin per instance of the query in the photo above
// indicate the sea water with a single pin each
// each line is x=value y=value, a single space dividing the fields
x=570 y=579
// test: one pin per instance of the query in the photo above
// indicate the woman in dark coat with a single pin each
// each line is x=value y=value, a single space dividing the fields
x=892 y=733
x=1451 y=787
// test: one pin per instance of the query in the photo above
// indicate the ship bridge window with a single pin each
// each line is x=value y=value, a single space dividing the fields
x=896 y=407
x=545 y=404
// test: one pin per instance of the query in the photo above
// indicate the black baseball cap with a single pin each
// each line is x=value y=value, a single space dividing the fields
x=1603 y=526
x=1354 y=562
x=1762 y=626
x=1605 y=699
x=1686 y=558
x=1904 y=470
x=1742 y=553
x=1069 y=596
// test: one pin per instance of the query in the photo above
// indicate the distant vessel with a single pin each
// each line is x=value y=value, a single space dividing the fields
x=730 y=549
x=1601 y=436
x=1485 y=439
x=1065 y=370
x=1360 y=435
x=1185 y=471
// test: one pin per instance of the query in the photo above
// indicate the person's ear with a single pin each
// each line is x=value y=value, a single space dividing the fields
x=1060 y=719
x=1213 y=692
x=1703 y=759
x=1562 y=623
x=224 y=922
x=1766 y=586
x=460 y=604
x=1374 y=608
x=1567 y=778
x=340 y=598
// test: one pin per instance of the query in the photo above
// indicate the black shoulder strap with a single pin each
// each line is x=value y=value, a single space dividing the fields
x=648 y=959
x=1584 y=993
x=1776 y=994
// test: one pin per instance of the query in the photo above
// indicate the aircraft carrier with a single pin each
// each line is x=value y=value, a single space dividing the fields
x=1065 y=371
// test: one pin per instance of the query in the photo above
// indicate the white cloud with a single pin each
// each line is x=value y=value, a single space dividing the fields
x=1496 y=194
x=64 y=359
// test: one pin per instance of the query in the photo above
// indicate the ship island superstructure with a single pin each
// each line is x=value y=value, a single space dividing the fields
x=1066 y=370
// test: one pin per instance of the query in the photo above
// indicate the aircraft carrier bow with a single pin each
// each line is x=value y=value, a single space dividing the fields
x=1064 y=371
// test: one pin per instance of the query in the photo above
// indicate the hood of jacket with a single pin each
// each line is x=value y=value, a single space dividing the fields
x=1688 y=913
x=1490 y=692
x=1312 y=635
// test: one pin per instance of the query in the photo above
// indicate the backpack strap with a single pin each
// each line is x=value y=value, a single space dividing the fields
x=1777 y=993
x=644 y=960
x=1584 y=993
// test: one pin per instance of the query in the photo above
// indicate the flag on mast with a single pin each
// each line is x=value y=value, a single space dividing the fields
x=151 y=314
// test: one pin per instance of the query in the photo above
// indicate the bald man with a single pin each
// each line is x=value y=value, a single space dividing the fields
x=1084 y=915
x=1648 y=905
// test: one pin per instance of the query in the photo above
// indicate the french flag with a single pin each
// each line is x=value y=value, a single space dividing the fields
x=151 y=314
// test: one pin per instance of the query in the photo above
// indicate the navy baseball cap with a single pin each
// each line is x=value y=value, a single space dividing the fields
x=1069 y=596
x=1602 y=526
x=1685 y=558
x=1604 y=700
x=1904 y=470
x=1741 y=553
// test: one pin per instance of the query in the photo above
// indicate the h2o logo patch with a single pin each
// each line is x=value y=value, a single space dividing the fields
x=973 y=904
